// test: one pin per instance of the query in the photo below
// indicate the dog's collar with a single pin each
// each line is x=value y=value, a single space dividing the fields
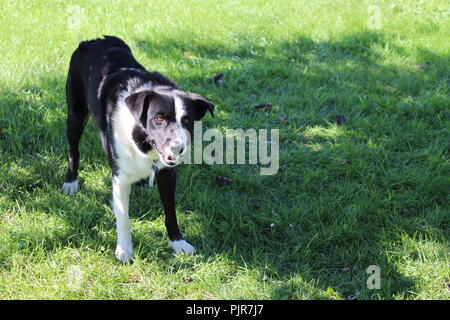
x=154 y=171
x=155 y=167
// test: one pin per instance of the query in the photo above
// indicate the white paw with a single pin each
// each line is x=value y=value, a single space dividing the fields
x=124 y=254
x=181 y=246
x=70 y=188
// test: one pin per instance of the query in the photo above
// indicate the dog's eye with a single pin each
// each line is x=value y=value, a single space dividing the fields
x=185 y=121
x=159 y=118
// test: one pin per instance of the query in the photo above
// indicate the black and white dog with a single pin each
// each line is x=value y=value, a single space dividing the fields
x=144 y=121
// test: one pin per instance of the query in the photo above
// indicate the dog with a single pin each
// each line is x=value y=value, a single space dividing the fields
x=144 y=121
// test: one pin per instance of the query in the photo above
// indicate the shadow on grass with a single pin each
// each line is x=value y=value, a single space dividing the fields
x=345 y=194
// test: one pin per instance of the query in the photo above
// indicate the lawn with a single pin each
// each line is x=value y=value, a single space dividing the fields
x=359 y=91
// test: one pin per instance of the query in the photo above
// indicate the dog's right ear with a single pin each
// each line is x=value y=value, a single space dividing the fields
x=138 y=104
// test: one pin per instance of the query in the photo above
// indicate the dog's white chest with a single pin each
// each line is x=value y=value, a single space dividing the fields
x=135 y=167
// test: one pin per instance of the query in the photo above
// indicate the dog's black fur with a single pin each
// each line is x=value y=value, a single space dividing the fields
x=103 y=76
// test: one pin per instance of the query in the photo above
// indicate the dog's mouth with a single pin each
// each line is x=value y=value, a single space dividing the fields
x=169 y=160
x=166 y=159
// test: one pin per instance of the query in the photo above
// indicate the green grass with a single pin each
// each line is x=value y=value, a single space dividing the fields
x=373 y=191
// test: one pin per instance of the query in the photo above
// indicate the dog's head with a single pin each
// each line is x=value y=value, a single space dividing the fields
x=164 y=118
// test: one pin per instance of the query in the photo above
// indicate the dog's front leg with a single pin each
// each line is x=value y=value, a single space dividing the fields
x=121 y=198
x=166 y=180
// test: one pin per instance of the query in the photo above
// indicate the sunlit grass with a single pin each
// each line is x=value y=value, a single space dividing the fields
x=364 y=161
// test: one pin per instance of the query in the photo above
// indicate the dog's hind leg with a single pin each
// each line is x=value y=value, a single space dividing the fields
x=76 y=121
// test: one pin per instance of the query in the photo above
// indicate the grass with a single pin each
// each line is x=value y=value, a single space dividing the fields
x=373 y=190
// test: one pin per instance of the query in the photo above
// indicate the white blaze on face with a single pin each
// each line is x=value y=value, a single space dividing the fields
x=180 y=111
x=179 y=137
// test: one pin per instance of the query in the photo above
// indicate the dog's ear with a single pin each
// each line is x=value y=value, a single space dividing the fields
x=201 y=105
x=138 y=104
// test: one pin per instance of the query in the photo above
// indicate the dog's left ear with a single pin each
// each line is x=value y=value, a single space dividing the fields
x=201 y=105
x=138 y=105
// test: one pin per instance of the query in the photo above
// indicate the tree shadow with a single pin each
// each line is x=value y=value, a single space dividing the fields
x=337 y=204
